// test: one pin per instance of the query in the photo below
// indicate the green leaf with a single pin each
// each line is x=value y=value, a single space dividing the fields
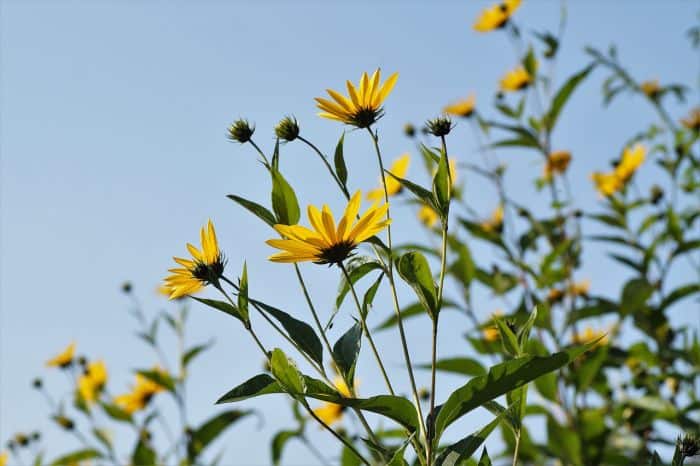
x=412 y=310
x=116 y=413
x=74 y=457
x=441 y=186
x=679 y=293
x=161 y=378
x=564 y=442
x=524 y=332
x=397 y=458
x=530 y=62
x=349 y=458
x=370 y=294
x=485 y=460
x=635 y=294
x=500 y=379
x=223 y=307
x=206 y=433
x=194 y=351
x=508 y=338
x=466 y=447
x=143 y=454
x=464 y=366
x=284 y=200
x=419 y=191
x=340 y=169
x=346 y=351
x=299 y=331
x=356 y=272
x=563 y=95
x=414 y=269
x=259 y=211
x=286 y=372
x=263 y=384
x=278 y=443
x=243 y=294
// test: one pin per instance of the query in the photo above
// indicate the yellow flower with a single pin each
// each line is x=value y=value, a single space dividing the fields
x=692 y=121
x=555 y=295
x=650 y=88
x=330 y=413
x=516 y=79
x=91 y=383
x=580 y=288
x=495 y=222
x=462 y=108
x=205 y=267
x=3 y=458
x=398 y=168
x=428 y=216
x=363 y=106
x=63 y=359
x=496 y=16
x=557 y=163
x=140 y=395
x=632 y=158
x=490 y=334
x=589 y=335
x=607 y=184
x=328 y=243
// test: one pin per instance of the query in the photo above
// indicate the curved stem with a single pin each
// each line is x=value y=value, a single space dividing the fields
x=365 y=328
x=262 y=154
x=392 y=285
x=328 y=166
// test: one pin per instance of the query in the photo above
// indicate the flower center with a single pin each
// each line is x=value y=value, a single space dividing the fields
x=337 y=253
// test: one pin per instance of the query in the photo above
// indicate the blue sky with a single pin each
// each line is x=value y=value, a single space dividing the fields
x=114 y=154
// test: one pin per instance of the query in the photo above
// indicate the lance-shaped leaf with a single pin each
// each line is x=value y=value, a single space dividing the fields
x=263 y=384
x=397 y=458
x=192 y=352
x=278 y=443
x=284 y=200
x=346 y=351
x=243 y=294
x=419 y=191
x=206 y=433
x=485 y=460
x=370 y=294
x=161 y=378
x=340 y=169
x=441 y=185
x=144 y=453
x=299 y=331
x=256 y=209
x=500 y=379
x=286 y=372
x=466 y=447
x=562 y=96
x=464 y=366
x=223 y=307
x=74 y=457
x=356 y=272
x=414 y=269
x=412 y=310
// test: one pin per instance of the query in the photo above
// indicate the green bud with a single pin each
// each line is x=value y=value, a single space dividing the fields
x=287 y=129
x=440 y=126
x=240 y=131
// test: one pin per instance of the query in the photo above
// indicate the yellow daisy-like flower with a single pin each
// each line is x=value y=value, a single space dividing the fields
x=490 y=334
x=516 y=79
x=398 y=168
x=580 y=288
x=428 y=216
x=3 y=458
x=557 y=163
x=650 y=88
x=63 y=359
x=462 y=108
x=692 y=121
x=495 y=222
x=496 y=16
x=91 y=383
x=632 y=158
x=588 y=335
x=328 y=243
x=607 y=184
x=140 y=395
x=330 y=413
x=205 y=267
x=363 y=106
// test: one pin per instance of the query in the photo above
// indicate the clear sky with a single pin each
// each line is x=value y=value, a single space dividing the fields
x=114 y=154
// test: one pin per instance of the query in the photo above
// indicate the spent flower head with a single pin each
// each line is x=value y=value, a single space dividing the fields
x=439 y=126
x=241 y=131
x=287 y=129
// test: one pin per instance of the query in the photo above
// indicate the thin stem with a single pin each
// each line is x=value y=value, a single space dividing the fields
x=262 y=154
x=516 y=448
x=335 y=434
x=392 y=285
x=365 y=328
x=314 y=451
x=328 y=166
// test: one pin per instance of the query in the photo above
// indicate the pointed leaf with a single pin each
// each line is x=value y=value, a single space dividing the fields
x=223 y=307
x=206 y=433
x=286 y=372
x=346 y=351
x=284 y=200
x=414 y=269
x=562 y=96
x=259 y=211
x=340 y=169
x=299 y=331
x=76 y=456
x=466 y=447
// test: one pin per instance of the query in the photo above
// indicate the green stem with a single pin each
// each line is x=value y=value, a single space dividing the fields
x=365 y=328
x=392 y=285
x=516 y=448
x=262 y=154
x=328 y=166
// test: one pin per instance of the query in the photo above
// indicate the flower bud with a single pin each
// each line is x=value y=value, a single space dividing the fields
x=689 y=445
x=287 y=129
x=409 y=130
x=440 y=126
x=126 y=287
x=37 y=383
x=656 y=194
x=241 y=131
